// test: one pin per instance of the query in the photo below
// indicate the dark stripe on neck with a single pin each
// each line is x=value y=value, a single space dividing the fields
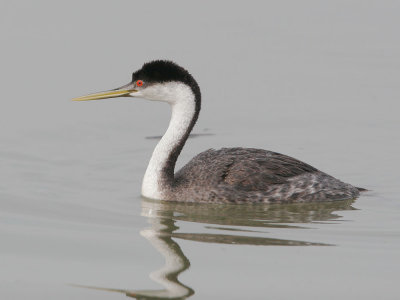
x=167 y=175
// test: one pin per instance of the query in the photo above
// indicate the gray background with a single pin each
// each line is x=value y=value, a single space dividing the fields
x=316 y=80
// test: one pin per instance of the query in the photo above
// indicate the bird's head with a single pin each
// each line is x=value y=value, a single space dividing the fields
x=159 y=80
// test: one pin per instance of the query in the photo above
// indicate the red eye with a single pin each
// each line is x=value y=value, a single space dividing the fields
x=139 y=83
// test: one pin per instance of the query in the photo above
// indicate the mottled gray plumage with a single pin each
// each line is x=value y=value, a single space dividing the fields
x=239 y=175
x=230 y=175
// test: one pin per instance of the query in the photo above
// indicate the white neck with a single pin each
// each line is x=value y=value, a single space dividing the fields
x=182 y=101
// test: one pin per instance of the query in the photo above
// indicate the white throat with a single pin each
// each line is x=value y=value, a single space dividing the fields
x=182 y=101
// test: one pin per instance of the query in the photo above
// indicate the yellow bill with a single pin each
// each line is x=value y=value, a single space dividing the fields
x=104 y=95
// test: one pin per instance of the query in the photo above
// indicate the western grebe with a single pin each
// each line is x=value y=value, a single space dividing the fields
x=236 y=175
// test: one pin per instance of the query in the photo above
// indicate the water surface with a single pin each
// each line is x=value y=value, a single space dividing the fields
x=316 y=81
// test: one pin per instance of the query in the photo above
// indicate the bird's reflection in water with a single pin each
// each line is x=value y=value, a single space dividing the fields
x=241 y=221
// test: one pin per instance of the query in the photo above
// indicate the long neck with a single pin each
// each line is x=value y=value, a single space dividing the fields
x=159 y=176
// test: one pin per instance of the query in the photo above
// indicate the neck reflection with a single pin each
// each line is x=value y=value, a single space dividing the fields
x=160 y=236
x=228 y=224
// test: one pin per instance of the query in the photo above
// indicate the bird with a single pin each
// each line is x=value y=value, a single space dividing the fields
x=227 y=175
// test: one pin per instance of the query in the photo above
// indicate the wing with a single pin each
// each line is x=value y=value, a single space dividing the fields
x=246 y=169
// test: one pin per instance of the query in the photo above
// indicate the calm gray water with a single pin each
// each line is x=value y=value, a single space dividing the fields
x=317 y=81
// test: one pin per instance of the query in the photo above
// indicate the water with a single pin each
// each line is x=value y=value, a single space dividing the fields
x=319 y=82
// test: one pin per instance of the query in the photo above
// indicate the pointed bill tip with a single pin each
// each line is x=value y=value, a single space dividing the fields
x=105 y=95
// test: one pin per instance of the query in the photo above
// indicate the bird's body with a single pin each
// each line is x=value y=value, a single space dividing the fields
x=233 y=175
x=240 y=175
